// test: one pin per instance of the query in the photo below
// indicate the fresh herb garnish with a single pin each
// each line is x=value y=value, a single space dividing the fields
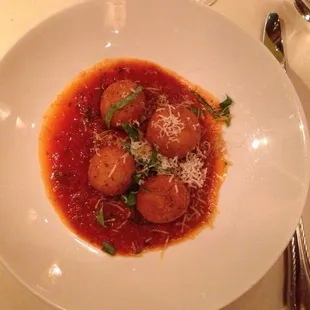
x=132 y=131
x=130 y=198
x=154 y=159
x=198 y=112
x=127 y=146
x=108 y=248
x=224 y=111
x=206 y=105
x=148 y=166
x=138 y=176
x=100 y=217
x=120 y=104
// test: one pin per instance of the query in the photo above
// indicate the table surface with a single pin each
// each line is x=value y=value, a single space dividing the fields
x=18 y=16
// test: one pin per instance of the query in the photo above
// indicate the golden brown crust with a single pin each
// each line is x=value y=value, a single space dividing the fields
x=162 y=199
x=110 y=171
x=128 y=114
x=180 y=143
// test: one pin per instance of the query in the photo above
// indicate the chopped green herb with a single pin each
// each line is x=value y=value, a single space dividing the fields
x=132 y=131
x=206 y=105
x=100 y=217
x=130 y=199
x=127 y=146
x=198 y=112
x=120 y=104
x=225 y=104
x=224 y=111
x=108 y=248
x=138 y=176
x=154 y=158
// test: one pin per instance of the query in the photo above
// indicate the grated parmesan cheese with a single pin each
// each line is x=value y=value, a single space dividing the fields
x=162 y=100
x=112 y=171
x=160 y=231
x=192 y=171
x=141 y=151
x=125 y=94
x=166 y=164
x=195 y=210
x=170 y=126
x=124 y=157
x=121 y=225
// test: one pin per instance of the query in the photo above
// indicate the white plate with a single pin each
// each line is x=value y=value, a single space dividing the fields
x=260 y=202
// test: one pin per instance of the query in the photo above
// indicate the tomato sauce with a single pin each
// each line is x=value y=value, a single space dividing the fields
x=69 y=138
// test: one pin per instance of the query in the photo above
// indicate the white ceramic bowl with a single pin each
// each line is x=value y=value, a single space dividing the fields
x=260 y=202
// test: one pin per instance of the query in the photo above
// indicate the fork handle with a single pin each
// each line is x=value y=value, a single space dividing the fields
x=298 y=281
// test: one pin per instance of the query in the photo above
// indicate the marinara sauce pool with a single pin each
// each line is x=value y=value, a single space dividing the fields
x=73 y=129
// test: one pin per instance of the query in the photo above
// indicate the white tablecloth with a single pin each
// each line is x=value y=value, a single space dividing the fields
x=18 y=16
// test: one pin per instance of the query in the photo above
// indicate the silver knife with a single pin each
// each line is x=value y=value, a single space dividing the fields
x=298 y=262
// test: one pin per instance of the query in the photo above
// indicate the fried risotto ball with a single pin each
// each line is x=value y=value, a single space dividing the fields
x=110 y=170
x=131 y=112
x=162 y=199
x=174 y=130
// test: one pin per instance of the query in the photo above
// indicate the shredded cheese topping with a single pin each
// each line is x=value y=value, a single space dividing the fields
x=160 y=231
x=166 y=164
x=112 y=171
x=141 y=151
x=192 y=171
x=170 y=126
x=124 y=157
x=162 y=100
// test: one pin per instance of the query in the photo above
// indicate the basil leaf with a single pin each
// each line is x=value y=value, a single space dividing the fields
x=132 y=131
x=223 y=114
x=198 y=112
x=225 y=111
x=120 y=104
x=130 y=199
x=138 y=176
x=206 y=105
x=127 y=146
x=154 y=158
x=108 y=248
x=227 y=121
x=100 y=218
x=225 y=105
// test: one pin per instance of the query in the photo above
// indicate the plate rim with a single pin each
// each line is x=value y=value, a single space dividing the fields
x=298 y=105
